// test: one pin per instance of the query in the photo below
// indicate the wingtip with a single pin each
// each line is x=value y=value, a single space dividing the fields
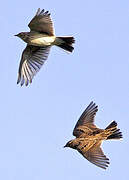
x=93 y=104
x=38 y=11
x=26 y=84
x=22 y=84
x=18 y=80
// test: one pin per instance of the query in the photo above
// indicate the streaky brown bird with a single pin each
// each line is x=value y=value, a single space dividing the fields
x=89 y=138
x=39 y=41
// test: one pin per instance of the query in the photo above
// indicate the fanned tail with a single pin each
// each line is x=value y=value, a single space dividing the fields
x=65 y=43
x=116 y=134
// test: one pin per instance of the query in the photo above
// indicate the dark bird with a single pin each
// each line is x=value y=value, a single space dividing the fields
x=89 y=138
x=39 y=41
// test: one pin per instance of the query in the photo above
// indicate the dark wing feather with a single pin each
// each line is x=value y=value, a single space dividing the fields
x=32 y=60
x=95 y=155
x=86 y=118
x=42 y=23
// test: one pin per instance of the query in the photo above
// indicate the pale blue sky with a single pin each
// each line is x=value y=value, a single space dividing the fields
x=37 y=121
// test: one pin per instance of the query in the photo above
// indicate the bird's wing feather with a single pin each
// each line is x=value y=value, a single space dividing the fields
x=42 y=23
x=86 y=119
x=32 y=60
x=95 y=155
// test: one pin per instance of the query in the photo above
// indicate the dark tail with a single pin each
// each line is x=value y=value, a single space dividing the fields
x=116 y=132
x=65 y=43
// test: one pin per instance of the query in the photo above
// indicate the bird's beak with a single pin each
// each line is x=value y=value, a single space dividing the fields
x=16 y=35
x=64 y=146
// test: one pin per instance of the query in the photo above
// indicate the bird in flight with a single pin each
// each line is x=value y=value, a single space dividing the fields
x=39 y=41
x=89 y=137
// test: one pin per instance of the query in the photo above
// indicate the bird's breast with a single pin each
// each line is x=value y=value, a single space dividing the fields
x=43 y=41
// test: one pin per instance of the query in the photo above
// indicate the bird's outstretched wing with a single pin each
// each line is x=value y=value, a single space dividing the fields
x=32 y=60
x=42 y=23
x=95 y=155
x=86 y=120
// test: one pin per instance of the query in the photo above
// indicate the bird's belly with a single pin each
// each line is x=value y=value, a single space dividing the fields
x=43 y=41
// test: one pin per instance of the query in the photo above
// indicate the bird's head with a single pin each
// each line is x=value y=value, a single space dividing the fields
x=22 y=35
